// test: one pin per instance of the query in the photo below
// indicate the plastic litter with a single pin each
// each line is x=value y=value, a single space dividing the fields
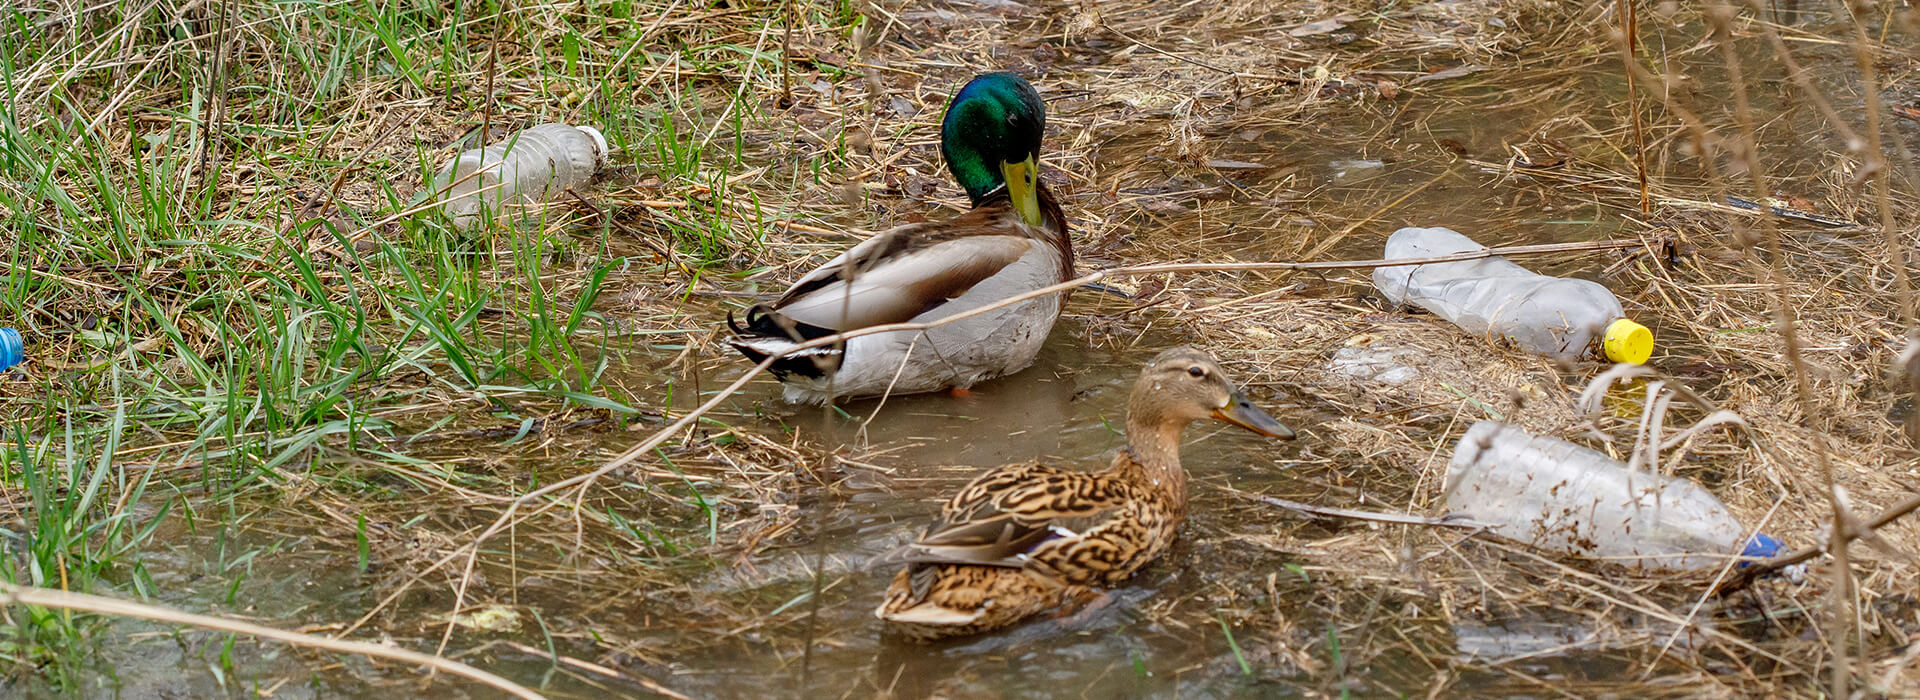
x=1386 y=365
x=530 y=166
x=13 y=350
x=1344 y=169
x=1552 y=316
x=1562 y=497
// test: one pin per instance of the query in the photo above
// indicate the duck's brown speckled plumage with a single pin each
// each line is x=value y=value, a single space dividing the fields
x=1018 y=538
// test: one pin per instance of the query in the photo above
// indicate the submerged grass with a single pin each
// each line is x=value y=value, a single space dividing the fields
x=246 y=323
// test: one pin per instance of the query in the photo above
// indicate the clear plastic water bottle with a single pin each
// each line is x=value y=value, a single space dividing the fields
x=530 y=166
x=1559 y=496
x=12 y=350
x=1553 y=316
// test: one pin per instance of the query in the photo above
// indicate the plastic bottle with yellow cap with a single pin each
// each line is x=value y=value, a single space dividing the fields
x=1553 y=316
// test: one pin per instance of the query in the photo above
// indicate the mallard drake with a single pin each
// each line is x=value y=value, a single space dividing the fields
x=1020 y=538
x=1012 y=241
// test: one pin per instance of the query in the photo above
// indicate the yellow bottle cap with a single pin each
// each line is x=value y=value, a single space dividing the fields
x=1628 y=342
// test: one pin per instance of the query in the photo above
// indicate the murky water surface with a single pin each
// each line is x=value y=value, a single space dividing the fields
x=1384 y=165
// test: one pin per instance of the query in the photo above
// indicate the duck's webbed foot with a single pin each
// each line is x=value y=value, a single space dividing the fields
x=1080 y=604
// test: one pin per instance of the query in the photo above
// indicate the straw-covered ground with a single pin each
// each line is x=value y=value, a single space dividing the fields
x=265 y=381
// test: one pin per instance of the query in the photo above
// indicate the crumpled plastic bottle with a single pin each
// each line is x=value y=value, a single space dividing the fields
x=1559 y=496
x=530 y=166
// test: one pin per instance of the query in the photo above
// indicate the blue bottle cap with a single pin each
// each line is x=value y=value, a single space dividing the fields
x=12 y=350
x=1761 y=547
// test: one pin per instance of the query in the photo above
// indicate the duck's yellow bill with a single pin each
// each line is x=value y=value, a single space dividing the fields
x=1023 y=188
x=1241 y=412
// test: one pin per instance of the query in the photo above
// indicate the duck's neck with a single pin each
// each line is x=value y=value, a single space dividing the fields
x=1154 y=443
x=1056 y=227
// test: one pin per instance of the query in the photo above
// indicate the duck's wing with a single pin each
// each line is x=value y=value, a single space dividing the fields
x=1004 y=514
x=901 y=273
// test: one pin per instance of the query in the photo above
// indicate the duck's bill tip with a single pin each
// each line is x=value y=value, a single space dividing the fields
x=1243 y=413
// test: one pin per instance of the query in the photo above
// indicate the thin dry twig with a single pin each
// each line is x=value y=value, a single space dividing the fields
x=587 y=666
x=11 y=594
x=1368 y=515
x=1748 y=575
x=1786 y=323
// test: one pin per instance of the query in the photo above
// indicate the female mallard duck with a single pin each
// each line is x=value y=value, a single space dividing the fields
x=1014 y=240
x=1021 y=537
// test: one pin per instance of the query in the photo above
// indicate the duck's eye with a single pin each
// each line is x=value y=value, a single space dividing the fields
x=1197 y=371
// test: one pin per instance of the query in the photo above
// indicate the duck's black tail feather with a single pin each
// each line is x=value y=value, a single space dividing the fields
x=766 y=332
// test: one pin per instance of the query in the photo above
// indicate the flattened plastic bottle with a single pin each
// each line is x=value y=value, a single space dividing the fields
x=1559 y=496
x=1552 y=316
x=530 y=166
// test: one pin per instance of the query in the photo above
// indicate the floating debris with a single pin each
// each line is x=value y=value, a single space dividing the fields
x=492 y=618
x=1373 y=363
x=1786 y=212
x=1342 y=169
x=1330 y=24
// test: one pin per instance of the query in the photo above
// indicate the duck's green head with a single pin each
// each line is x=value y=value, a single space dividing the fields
x=991 y=139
